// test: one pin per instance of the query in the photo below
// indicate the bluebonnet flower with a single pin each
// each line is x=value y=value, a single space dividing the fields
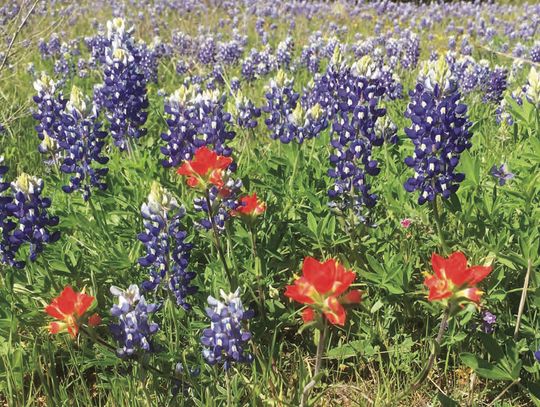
x=50 y=104
x=537 y=355
x=503 y=115
x=495 y=85
x=6 y=223
x=354 y=136
x=195 y=119
x=123 y=93
x=501 y=173
x=229 y=52
x=281 y=102
x=439 y=132
x=534 y=52
x=207 y=50
x=226 y=340
x=284 y=52
x=133 y=329
x=488 y=322
x=410 y=45
x=167 y=252
x=246 y=112
x=24 y=219
x=82 y=140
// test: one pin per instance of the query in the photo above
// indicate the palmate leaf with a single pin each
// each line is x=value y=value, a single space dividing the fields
x=500 y=370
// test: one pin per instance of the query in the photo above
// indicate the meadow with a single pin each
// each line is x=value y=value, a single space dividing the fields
x=283 y=203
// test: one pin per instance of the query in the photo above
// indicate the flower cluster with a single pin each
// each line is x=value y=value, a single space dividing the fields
x=439 y=132
x=133 y=330
x=24 y=218
x=246 y=112
x=69 y=308
x=123 y=93
x=322 y=288
x=82 y=142
x=195 y=119
x=355 y=102
x=50 y=104
x=210 y=173
x=167 y=253
x=453 y=281
x=226 y=340
x=281 y=102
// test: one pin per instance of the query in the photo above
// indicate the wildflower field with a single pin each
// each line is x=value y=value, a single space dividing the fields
x=255 y=203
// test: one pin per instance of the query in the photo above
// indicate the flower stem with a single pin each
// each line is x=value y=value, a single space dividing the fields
x=258 y=271
x=523 y=298
x=318 y=363
x=425 y=372
x=217 y=242
x=104 y=343
x=438 y=225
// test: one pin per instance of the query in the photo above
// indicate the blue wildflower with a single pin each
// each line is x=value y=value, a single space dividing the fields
x=226 y=340
x=439 y=132
x=167 y=252
x=133 y=329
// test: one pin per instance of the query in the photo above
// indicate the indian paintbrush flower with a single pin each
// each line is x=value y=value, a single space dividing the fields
x=322 y=288
x=69 y=308
x=206 y=168
x=453 y=281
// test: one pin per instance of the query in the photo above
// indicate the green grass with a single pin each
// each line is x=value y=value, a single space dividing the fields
x=386 y=341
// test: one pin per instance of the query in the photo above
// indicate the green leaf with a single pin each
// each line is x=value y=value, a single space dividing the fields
x=446 y=401
x=485 y=369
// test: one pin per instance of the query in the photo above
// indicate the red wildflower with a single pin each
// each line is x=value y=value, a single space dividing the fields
x=250 y=206
x=453 y=279
x=68 y=308
x=205 y=167
x=321 y=287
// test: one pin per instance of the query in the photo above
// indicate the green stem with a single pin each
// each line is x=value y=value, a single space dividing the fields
x=104 y=343
x=217 y=241
x=228 y=384
x=429 y=365
x=318 y=363
x=258 y=271
x=438 y=225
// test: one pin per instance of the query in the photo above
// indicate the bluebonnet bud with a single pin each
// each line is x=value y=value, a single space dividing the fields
x=25 y=219
x=439 y=132
x=226 y=340
x=532 y=88
x=133 y=330
x=82 y=141
x=167 y=253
